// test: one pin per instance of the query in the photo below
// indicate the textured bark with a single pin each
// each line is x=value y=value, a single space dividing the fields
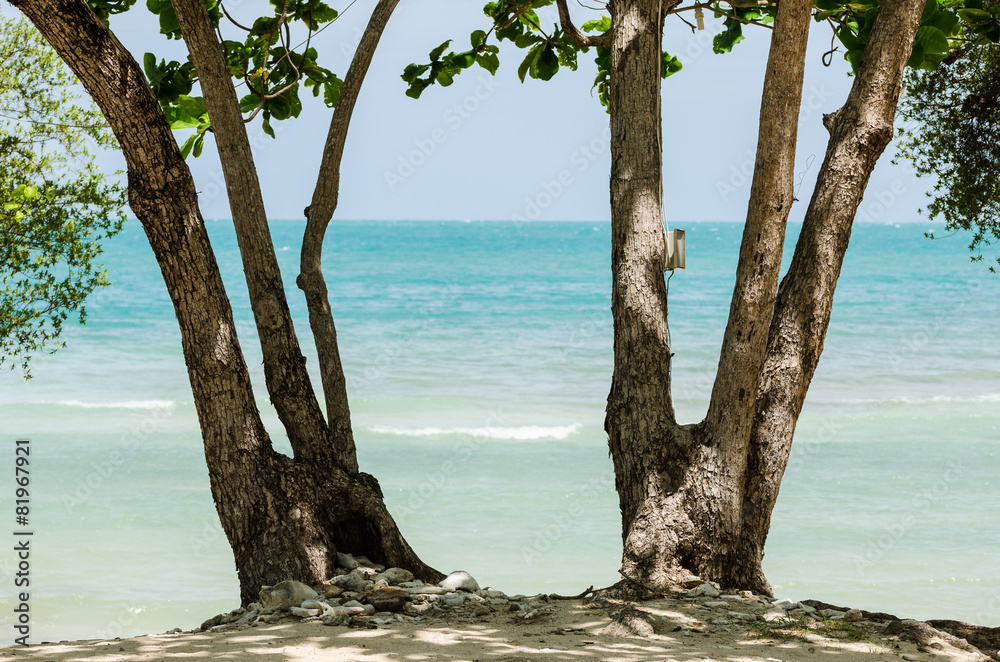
x=860 y=132
x=318 y=215
x=287 y=380
x=680 y=487
x=699 y=498
x=284 y=518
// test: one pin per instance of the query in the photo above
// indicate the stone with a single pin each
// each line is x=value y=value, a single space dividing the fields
x=459 y=581
x=853 y=615
x=691 y=581
x=212 y=622
x=704 y=590
x=491 y=594
x=908 y=658
x=414 y=608
x=716 y=604
x=346 y=561
x=311 y=604
x=831 y=614
x=336 y=617
x=288 y=593
x=249 y=617
x=427 y=590
x=481 y=610
x=304 y=613
x=456 y=600
x=332 y=591
x=785 y=603
x=395 y=576
x=388 y=599
x=775 y=615
x=353 y=581
x=364 y=562
x=416 y=583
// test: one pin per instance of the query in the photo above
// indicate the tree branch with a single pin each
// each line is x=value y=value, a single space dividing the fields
x=318 y=215
x=582 y=39
x=284 y=366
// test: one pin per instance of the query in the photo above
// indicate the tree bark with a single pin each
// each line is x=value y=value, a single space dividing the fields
x=859 y=133
x=287 y=380
x=318 y=215
x=284 y=517
x=697 y=498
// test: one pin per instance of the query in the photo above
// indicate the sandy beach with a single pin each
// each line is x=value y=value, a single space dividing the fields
x=681 y=627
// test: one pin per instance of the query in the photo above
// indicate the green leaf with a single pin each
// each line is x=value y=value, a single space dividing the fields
x=477 y=38
x=547 y=64
x=931 y=40
x=974 y=15
x=526 y=63
x=489 y=62
x=436 y=53
x=188 y=144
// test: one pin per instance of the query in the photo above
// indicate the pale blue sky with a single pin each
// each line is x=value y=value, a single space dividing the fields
x=493 y=148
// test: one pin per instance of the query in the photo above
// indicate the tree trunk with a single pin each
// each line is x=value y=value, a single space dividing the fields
x=284 y=517
x=697 y=498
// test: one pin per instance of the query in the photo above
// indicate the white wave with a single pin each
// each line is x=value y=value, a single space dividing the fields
x=131 y=404
x=524 y=432
x=908 y=400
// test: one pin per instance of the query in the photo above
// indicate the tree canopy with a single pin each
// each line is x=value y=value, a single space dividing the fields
x=57 y=207
x=952 y=120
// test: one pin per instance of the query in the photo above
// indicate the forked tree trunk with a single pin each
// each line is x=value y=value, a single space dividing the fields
x=284 y=517
x=697 y=498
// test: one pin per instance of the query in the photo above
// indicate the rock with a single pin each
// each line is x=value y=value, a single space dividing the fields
x=491 y=594
x=704 y=590
x=908 y=658
x=388 y=599
x=395 y=576
x=353 y=581
x=304 y=613
x=775 y=615
x=416 y=583
x=831 y=614
x=364 y=562
x=716 y=604
x=336 y=617
x=691 y=581
x=481 y=610
x=346 y=561
x=456 y=600
x=627 y=621
x=332 y=591
x=785 y=603
x=853 y=615
x=288 y=593
x=212 y=622
x=459 y=581
x=427 y=590
x=413 y=608
x=249 y=617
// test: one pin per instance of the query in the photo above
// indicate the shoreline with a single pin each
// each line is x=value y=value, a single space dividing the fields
x=459 y=621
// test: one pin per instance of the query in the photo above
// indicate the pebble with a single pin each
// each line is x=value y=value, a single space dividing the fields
x=394 y=576
x=346 y=561
x=288 y=593
x=706 y=590
x=459 y=581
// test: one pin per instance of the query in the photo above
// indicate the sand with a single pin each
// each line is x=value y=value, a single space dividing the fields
x=572 y=631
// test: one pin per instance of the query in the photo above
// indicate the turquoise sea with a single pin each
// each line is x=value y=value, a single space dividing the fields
x=495 y=337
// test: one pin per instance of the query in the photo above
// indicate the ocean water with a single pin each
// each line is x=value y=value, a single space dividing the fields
x=478 y=358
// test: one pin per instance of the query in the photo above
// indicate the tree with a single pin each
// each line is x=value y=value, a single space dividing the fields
x=954 y=115
x=697 y=498
x=285 y=517
x=57 y=207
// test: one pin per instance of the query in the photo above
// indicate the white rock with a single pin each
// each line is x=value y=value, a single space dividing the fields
x=459 y=581
x=775 y=615
x=305 y=613
x=491 y=593
x=785 y=603
x=288 y=593
x=427 y=590
x=395 y=576
x=704 y=590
